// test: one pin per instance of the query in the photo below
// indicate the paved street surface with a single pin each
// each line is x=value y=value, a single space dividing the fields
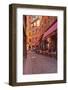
x=39 y=64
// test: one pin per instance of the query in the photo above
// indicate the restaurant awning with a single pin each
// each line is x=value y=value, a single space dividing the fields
x=50 y=30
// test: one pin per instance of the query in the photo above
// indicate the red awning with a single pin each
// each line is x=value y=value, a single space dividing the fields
x=50 y=30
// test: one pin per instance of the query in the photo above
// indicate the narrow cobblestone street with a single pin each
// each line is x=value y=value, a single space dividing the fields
x=39 y=64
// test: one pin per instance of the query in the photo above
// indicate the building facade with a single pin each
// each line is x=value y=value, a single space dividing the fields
x=41 y=33
x=28 y=33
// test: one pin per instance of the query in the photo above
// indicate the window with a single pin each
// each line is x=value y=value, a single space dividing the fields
x=34 y=24
x=38 y=23
x=30 y=40
x=29 y=33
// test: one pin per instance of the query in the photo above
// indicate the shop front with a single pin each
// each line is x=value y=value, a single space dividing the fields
x=49 y=41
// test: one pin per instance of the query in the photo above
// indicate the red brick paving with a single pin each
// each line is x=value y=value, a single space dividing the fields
x=39 y=64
